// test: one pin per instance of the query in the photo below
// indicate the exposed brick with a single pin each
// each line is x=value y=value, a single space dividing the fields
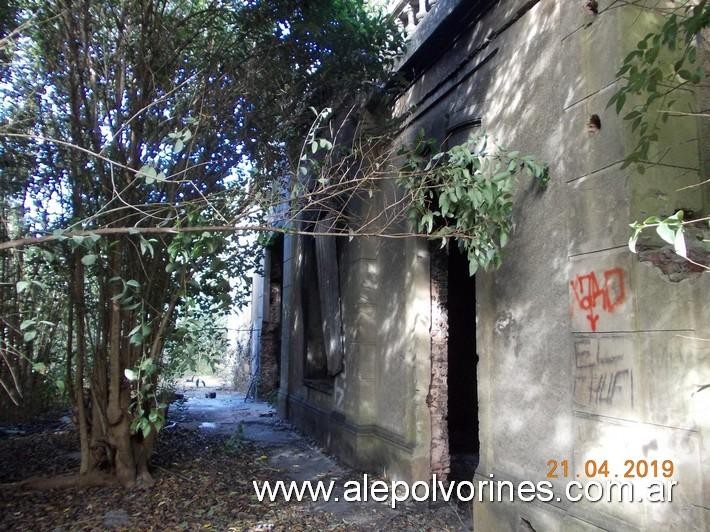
x=270 y=341
x=437 y=399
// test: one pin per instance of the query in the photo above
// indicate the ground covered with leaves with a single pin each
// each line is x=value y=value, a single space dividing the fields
x=203 y=482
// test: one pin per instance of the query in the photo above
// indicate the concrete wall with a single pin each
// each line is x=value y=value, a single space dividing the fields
x=257 y=320
x=586 y=351
x=370 y=414
x=549 y=347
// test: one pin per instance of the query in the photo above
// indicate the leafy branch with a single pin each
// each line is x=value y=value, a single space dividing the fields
x=466 y=193
x=662 y=72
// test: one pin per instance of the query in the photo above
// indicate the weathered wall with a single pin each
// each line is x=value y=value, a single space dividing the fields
x=257 y=320
x=371 y=412
x=585 y=351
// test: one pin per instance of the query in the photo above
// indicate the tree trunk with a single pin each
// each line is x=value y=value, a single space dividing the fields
x=80 y=399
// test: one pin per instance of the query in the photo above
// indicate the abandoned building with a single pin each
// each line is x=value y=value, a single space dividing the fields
x=575 y=349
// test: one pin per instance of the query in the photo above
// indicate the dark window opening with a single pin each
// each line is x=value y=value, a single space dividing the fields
x=315 y=363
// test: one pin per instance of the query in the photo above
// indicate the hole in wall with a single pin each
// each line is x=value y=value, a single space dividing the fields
x=591 y=7
x=594 y=124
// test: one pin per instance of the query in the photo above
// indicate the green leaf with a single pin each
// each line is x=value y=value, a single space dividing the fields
x=21 y=286
x=146 y=245
x=615 y=96
x=665 y=232
x=88 y=260
x=679 y=243
x=130 y=374
x=472 y=267
x=179 y=145
x=620 y=101
x=677 y=217
x=503 y=239
x=27 y=324
x=634 y=238
x=30 y=335
x=40 y=367
x=632 y=243
x=632 y=115
x=146 y=429
x=148 y=173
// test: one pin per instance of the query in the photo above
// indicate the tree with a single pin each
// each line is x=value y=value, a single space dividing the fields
x=134 y=125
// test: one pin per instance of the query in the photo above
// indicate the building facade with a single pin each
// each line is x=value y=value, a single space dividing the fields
x=575 y=349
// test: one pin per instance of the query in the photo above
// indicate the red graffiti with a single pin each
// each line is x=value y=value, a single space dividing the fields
x=592 y=293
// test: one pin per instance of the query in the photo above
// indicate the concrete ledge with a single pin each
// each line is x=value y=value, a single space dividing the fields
x=440 y=15
x=367 y=447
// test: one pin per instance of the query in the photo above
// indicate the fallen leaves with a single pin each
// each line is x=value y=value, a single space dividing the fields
x=202 y=483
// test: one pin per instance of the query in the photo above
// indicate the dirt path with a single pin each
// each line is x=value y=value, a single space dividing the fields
x=207 y=458
x=294 y=458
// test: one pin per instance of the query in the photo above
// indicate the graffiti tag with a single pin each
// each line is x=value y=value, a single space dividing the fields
x=599 y=294
x=603 y=375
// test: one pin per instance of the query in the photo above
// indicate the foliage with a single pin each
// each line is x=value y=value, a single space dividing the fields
x=148 y=413
x=325 y=54
x=670 y=229
x=31 y=330
x=466 y=194
x=664 y=63
x=121 y=116
x=660 y=78
x=198 y=341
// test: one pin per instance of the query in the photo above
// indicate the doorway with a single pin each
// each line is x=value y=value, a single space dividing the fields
x=269 y=364
x=453 y=393
x=462 y=368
